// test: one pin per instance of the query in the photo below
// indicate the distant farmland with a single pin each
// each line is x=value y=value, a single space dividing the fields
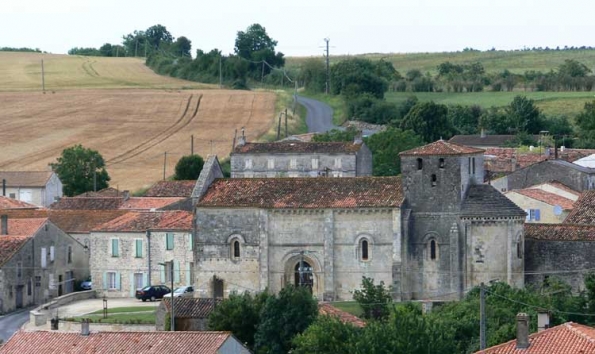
x=87 y=103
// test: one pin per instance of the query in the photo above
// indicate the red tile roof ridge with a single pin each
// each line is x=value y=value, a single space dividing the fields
x=579 y=330
x=440 y=148
x=546 y=197
x=326 y=308
x=136 y=221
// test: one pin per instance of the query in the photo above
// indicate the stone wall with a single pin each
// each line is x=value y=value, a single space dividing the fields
x=565 y=260
x=126 y=265
x=575 y=177
x=304 y=166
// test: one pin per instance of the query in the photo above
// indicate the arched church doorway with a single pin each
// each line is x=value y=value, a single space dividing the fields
x=303 y=274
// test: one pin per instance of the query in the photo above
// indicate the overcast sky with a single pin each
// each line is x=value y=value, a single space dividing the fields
x=300 y=26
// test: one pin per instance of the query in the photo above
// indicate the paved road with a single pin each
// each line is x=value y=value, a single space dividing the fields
x=12 y=323
x=319 y=117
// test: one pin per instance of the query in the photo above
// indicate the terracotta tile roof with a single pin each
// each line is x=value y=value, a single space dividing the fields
x=88 y=203
x=568 y=338
x=485 y=200
x=442 y=148
x=546 y=197
x=190 y=307
x=25 y=178
x=44 y=342
x=307 y=193
x=559 y=232
x=148 y=203
x=292 y=147
x=10 y=245
x=24 y=227
x=106 y=192
x=324 y=308
x=484 y=141
x=558 y=185
x=171 y=189
x=136 y=221
x=502 y=159
x=71 y=221
x=9 y=203
x=584 y=210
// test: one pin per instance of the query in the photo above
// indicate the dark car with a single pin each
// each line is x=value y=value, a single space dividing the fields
x=152 y=292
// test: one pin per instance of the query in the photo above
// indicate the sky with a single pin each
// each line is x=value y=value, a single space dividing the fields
x=300 y=26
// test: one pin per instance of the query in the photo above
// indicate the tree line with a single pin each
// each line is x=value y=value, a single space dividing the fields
x=22 y=49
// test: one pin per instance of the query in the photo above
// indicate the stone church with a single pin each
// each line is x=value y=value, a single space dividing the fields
x=432 y=233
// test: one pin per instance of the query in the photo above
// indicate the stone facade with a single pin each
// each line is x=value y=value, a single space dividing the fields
x=302 y=159
x=537 y=210
x=47 y=265
x=134 y=268
x=39 y=188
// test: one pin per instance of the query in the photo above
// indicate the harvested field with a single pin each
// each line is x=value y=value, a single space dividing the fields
x=22 y=72
x=132 y=129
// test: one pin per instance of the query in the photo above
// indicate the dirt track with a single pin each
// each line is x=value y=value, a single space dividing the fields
x=131 y=128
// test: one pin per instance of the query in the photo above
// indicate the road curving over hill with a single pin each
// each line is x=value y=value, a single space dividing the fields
x=319 y=116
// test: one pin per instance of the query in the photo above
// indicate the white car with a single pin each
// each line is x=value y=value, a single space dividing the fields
x=183 y=291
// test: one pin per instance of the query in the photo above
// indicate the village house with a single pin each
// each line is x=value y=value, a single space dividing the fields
x=434 y=233
x=135 y=250
x=301 y=159
x=45 y=342
x=192 y=314
x=41 y=188
x=545 y=203
x=38 y=261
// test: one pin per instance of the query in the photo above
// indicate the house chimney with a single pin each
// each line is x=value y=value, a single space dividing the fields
x=513 y=161
x=543 y=320
x=522 y=331
x=357 y=139
x=242 y=139
x=4 y=225
x=85 y=327
x=3 y=187
x=483 y=133
x=126 y=195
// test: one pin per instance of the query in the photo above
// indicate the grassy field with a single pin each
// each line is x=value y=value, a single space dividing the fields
x=119 y=107
x=515 y=61
x=551 y=103
x=122 y=315
x=349 y=306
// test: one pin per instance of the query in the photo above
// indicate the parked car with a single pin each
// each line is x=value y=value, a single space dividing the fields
x=152 y=292
x=87 y=285
x=183 y=291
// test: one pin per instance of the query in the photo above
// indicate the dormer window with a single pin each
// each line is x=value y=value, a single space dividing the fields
x=420 y=164
x=441 y=163
x=434 y=181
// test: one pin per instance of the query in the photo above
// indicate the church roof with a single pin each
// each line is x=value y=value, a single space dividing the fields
x=292 y=147
x=559 y=232
x=442 y=148
x=171 y=189
x=485 y=200
x=584 y=210
x=304 y=193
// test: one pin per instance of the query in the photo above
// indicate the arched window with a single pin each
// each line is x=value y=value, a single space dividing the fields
x=235 y=249
x=420 y=164
x=434 y=180
x=441 y=163
x=519 y=250
x=364 y=250
x=433 y=251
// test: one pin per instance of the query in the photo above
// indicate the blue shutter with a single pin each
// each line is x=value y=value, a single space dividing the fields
x=104 y=280
x=162 y=269
x=190 y=242
x=118 y=282
x=188 y=281
x=176 y=272
x=537 y=216
x=132 y=287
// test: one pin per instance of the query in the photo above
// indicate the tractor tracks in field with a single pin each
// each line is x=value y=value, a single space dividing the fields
x=190 y=112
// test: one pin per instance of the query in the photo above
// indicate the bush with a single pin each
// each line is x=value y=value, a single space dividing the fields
x=189 y=167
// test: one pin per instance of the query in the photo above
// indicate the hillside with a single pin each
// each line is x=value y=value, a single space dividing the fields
x=22 y=72
x=132 y=128
x=494 y=61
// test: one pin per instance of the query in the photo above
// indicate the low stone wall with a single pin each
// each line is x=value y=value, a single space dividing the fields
x=40 y=315
x=68 y=326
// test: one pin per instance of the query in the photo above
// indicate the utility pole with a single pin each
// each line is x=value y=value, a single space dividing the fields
x=220 y=73
x=482 y=317
x=42 y=77
x=262 y=74
x=328 y=72
x=171 y=276
x=164 y=163
x=286 y=122
x=279 y=127
x=94 y=174
x=192 y=144
x=136 y=49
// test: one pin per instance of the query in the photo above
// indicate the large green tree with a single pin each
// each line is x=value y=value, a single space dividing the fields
x=387 y=145
x=158 y=34
x=523 y=115
x=352 y=77
x=327 y=335
x=81 y=170
x=283 y=317
x=188 y=167
x=429 y=120
x=256 y=46
x=585 y=123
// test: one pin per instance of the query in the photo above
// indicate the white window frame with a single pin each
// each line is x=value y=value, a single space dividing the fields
x=52 y=253
x=111 y=276
x=315 y=163
x=293 y=163
x=44 y=257
x=338 y=163
x=271 y=164
x=248 y=164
